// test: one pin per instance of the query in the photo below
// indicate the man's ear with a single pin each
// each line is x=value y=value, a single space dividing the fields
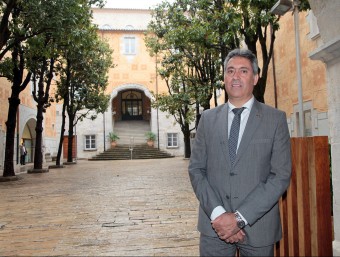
x=256 y=79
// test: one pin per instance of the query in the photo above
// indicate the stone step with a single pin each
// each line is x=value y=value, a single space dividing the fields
x=123 y=152
x=131 y=139
x=131 y=131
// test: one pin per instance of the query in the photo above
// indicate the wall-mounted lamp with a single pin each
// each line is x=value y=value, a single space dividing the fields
x=281 y=7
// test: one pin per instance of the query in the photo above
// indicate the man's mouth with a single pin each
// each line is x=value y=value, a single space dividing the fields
x=236 y=85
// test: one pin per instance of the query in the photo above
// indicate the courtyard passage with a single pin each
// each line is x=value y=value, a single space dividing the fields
x=101 y=208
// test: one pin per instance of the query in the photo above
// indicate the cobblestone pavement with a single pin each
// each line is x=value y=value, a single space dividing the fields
x=101 y=208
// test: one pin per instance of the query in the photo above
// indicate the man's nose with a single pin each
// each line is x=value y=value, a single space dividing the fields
x=236 y=74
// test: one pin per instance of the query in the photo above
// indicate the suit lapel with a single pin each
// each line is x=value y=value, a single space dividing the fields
x=253 y=122
x=222 y=124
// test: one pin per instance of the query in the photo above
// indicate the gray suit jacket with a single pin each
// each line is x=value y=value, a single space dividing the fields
x=260 y=176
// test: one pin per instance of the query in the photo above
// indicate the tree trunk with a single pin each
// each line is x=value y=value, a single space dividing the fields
x=14 y=102
x=62 y=132
x=4 y=30
x=70 y=140
x=187 y=145
x=38 y=158
x=198 y=115
x=259 y=90
x=42 y=99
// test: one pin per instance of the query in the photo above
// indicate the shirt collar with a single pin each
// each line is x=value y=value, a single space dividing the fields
x=248 y=105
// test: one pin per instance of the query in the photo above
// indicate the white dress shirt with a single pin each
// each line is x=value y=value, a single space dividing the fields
x=244 y=118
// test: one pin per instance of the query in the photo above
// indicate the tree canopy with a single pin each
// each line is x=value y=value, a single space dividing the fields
x=192 y=39
x=31 y=33
x=83 y=78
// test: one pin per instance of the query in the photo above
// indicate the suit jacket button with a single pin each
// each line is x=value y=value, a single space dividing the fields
x=232 y=174
x=227 y=196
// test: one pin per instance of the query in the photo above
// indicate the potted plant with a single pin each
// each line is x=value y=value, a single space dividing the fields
x=150 y=138
x=113 y=138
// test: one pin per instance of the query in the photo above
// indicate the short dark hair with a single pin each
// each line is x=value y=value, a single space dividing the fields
x=243 y=53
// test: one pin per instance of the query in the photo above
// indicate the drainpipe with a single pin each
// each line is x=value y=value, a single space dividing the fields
x=298 y=66
x=280 y=8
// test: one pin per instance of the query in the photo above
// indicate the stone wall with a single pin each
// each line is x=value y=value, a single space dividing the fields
x=328 y=20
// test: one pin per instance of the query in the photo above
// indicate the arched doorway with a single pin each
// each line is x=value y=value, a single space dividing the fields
x=131 y=104
x=28 y=138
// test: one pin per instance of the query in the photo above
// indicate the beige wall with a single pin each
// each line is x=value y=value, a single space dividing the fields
x=26 y=101
x=135 y=69
x=5 y=92
x=328 y=51
x=313 y=73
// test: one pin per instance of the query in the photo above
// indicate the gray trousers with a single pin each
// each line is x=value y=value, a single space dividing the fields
x=213 y=246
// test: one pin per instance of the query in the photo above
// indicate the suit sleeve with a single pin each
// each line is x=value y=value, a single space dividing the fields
x=198 y=169
x=267 y=193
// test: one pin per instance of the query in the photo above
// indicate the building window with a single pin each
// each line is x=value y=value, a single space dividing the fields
x=90 y=142
x=129 y=45
x=308 y=123
x=172 y=140
x=314 y=32
x=106 y=27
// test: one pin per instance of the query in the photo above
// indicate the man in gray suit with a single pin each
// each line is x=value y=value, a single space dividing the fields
x=240 y=171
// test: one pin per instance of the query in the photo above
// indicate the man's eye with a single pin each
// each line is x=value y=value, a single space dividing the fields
x=244 y=71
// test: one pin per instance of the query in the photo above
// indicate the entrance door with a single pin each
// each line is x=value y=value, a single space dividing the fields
x=29 y=149
x=27 y=139
x=132 y=106
x=74 y=147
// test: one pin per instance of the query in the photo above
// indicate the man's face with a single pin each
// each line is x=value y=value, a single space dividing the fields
x=239 y=80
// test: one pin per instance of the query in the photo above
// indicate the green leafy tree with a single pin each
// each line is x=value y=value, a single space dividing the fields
x=5 y=10
x=22 y=20
x=83 y=81
x=41 y=55
x=189 y=42
x=201 y=33
x=257 y=29
x=14 y=24
x=47 y=49
x=178 y=100
x=17 y=25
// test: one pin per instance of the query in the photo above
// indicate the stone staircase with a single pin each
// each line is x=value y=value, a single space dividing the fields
x=123 y=152
x=133 y=130
x=128 y=132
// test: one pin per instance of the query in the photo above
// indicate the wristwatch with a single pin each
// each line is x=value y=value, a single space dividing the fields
x=240 y=221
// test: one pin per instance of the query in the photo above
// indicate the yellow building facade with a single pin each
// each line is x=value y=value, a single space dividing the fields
x=26 y=123
x=131 y=85
x=282 y=82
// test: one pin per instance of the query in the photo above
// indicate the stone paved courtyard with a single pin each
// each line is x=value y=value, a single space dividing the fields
x=101 y=208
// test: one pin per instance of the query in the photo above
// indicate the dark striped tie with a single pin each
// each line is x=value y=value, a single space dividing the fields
x=234 y=131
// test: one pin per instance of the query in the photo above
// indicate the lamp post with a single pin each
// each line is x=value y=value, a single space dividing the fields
x=104 y=136
x=157 y=102
x=281 y=8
